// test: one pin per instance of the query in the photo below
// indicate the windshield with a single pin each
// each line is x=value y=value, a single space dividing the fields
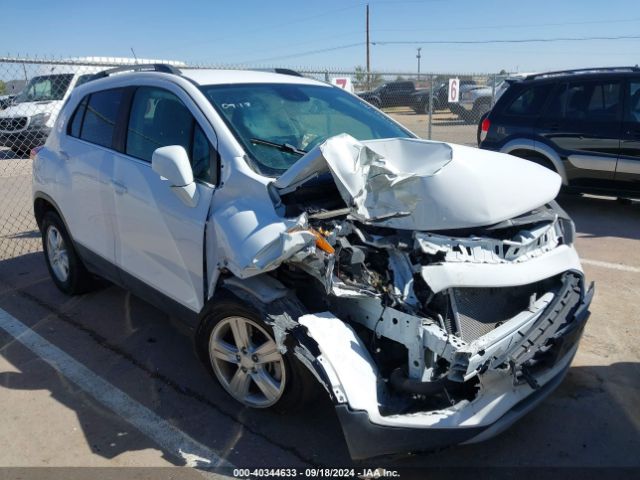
x=293 y=119
x=45 y=88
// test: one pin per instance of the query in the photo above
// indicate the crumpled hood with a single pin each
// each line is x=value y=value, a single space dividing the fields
x=424 y=185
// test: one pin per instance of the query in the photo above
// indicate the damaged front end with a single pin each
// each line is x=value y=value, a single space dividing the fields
x=445 y=295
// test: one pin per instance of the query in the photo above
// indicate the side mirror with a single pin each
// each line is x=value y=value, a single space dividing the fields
x=172 y=163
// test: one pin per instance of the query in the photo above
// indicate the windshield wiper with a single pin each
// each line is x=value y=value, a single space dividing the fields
x=283 y=147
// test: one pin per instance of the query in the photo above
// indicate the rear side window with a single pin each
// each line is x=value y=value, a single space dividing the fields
x=530 y=101
x=592 y=101
x=75 y=125
x=555 y=108
x=158 y=118
x=100 y=116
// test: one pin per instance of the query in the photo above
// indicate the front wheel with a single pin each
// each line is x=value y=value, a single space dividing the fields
x=240 y=350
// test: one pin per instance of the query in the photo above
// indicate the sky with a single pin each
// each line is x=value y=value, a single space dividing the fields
x=330 y=34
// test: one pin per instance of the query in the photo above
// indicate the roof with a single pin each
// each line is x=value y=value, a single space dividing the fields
x=217 y=77
x=592 y=71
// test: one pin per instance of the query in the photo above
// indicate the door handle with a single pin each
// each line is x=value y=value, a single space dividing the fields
x=119 y=187
x=64 y=155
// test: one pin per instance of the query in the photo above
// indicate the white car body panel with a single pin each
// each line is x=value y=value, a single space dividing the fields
x=446 y=275
x=160 y=239
x=90 y=219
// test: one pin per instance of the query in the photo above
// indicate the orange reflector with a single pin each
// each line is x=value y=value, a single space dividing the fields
x=322 y=243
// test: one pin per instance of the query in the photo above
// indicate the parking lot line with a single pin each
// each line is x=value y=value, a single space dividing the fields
x=613 y=266
x=167 y=436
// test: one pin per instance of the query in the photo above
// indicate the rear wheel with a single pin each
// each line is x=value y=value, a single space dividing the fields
x=64 y=264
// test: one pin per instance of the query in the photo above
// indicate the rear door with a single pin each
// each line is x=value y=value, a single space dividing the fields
x=583 y=124
x=88 y=150
x=161 y=239
x=628 y=168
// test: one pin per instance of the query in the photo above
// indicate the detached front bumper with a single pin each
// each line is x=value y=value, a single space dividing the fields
x=505 y=394
x=366 y=439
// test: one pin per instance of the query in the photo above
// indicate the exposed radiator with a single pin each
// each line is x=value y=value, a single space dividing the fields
x=480 y=310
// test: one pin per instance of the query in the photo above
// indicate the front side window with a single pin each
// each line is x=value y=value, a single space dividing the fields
x=158 y=118
x=45 y=88
x=268 y=119
x=100 y=116
x=633 y=111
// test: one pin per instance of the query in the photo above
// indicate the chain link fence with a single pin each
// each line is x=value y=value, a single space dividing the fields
x=32 y=92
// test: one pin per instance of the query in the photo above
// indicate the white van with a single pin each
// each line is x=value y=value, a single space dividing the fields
x=27 y=121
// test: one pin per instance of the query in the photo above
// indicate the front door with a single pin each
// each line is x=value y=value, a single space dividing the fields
x=583 y=122
x=160 y=243
x=628 y=168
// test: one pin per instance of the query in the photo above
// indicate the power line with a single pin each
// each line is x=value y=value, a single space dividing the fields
x=520 y=40
x=530 y=25
x=279 y=26
x=304 y=54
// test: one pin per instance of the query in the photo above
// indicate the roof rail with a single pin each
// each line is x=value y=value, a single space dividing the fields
x=282 y=71
x=142 y=67
x=583 y=70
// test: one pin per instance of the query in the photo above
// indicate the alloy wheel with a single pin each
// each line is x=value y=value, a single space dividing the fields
x=247 y=362
x=57 y=254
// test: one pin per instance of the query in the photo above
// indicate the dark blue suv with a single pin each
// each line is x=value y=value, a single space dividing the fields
x=583 y=124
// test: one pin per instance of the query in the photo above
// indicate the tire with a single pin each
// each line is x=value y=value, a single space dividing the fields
x=282 y=385
x=65 y=266
x=376 y=103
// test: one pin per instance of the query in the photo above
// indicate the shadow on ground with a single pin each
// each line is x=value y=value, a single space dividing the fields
x=603 y=216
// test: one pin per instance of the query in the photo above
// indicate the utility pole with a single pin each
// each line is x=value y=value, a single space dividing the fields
x=368 y=59
x=418 y=56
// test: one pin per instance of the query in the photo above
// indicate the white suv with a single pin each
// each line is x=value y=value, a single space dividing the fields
x=432 y=289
